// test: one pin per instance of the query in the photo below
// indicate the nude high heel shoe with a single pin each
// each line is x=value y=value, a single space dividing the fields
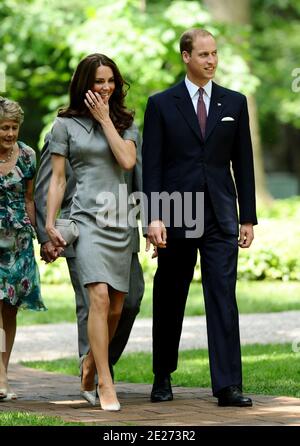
x=3 y=393
x=112 y=407
x=10 y=396
x=3 y=390
x=89 y=395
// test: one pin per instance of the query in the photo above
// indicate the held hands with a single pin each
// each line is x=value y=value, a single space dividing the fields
x=55 y=237
x=246 y=235
x=49 y=253
x=157 y=235
x=98 y=107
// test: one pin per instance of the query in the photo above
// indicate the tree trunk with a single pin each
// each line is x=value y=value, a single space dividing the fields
x=143 y=5
x=238 y=12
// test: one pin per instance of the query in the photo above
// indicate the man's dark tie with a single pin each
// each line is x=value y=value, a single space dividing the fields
x=201 y=112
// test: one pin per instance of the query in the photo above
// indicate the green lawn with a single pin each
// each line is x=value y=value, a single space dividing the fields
x=253 y=297
x=29 y=419
x=60 y=302
x=267 y=369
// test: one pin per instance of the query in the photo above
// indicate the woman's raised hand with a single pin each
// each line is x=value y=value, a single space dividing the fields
x=98 y=107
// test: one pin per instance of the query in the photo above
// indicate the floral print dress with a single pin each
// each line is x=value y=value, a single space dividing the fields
x=19 y=275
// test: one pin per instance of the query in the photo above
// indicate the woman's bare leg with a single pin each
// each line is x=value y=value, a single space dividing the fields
x=3 y=375
x=10 y=326
x=99 y=333
x=115 y=310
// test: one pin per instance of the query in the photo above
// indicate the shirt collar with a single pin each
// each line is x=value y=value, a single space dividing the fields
x=86 y=122
x=193 y=88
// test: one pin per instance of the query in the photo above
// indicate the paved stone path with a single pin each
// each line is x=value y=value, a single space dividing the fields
x=57 y=395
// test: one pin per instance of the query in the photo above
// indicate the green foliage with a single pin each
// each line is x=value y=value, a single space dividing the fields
x=275 y=250
x=286 y=209
x=267 y=369
x=42 y=42
x=36 y=55
x=145 y=45
x=276 y=52
x=271 y=265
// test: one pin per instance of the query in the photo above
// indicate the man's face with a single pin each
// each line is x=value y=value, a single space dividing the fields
x=202 y=62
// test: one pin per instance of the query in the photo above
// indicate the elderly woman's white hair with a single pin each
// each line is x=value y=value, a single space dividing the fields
x=10 y=110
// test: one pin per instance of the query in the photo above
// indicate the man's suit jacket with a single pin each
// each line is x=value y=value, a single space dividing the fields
x=133 y=180
x=176 y=158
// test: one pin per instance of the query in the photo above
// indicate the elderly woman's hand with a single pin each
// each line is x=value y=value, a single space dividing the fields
x=49 y=252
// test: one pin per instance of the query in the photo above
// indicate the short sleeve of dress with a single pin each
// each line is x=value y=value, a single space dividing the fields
x=27 y=161
x=132 y=133
x=59 y=139
x=32 y=168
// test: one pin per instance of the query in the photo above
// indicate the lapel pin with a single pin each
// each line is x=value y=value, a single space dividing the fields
x=219 y=104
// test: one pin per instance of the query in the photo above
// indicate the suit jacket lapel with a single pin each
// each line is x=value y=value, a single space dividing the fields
x=215 y=108
x=185 y=106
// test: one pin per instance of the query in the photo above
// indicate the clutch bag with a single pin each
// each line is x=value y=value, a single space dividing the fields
x=68 y=230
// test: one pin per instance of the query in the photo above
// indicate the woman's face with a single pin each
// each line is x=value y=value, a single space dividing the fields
x=104 y=82
x=9 y=132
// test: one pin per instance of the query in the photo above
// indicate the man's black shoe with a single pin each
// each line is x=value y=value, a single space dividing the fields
x=232 y=396
x=161 y=390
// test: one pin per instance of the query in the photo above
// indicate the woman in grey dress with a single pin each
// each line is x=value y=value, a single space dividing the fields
x=96 y=133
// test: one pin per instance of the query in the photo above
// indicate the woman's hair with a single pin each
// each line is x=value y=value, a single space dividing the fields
x=83 y=80
x=10 y=110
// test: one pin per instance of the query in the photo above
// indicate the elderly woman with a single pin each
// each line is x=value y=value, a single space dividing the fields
x=19 y=277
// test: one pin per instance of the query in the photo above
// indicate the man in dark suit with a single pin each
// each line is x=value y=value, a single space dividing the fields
x=194 y=133
x=50 y=253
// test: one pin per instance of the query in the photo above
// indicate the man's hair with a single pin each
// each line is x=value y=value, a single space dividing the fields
x=188 y=37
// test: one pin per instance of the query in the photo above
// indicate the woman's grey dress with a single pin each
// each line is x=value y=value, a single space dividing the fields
x=103 y=253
